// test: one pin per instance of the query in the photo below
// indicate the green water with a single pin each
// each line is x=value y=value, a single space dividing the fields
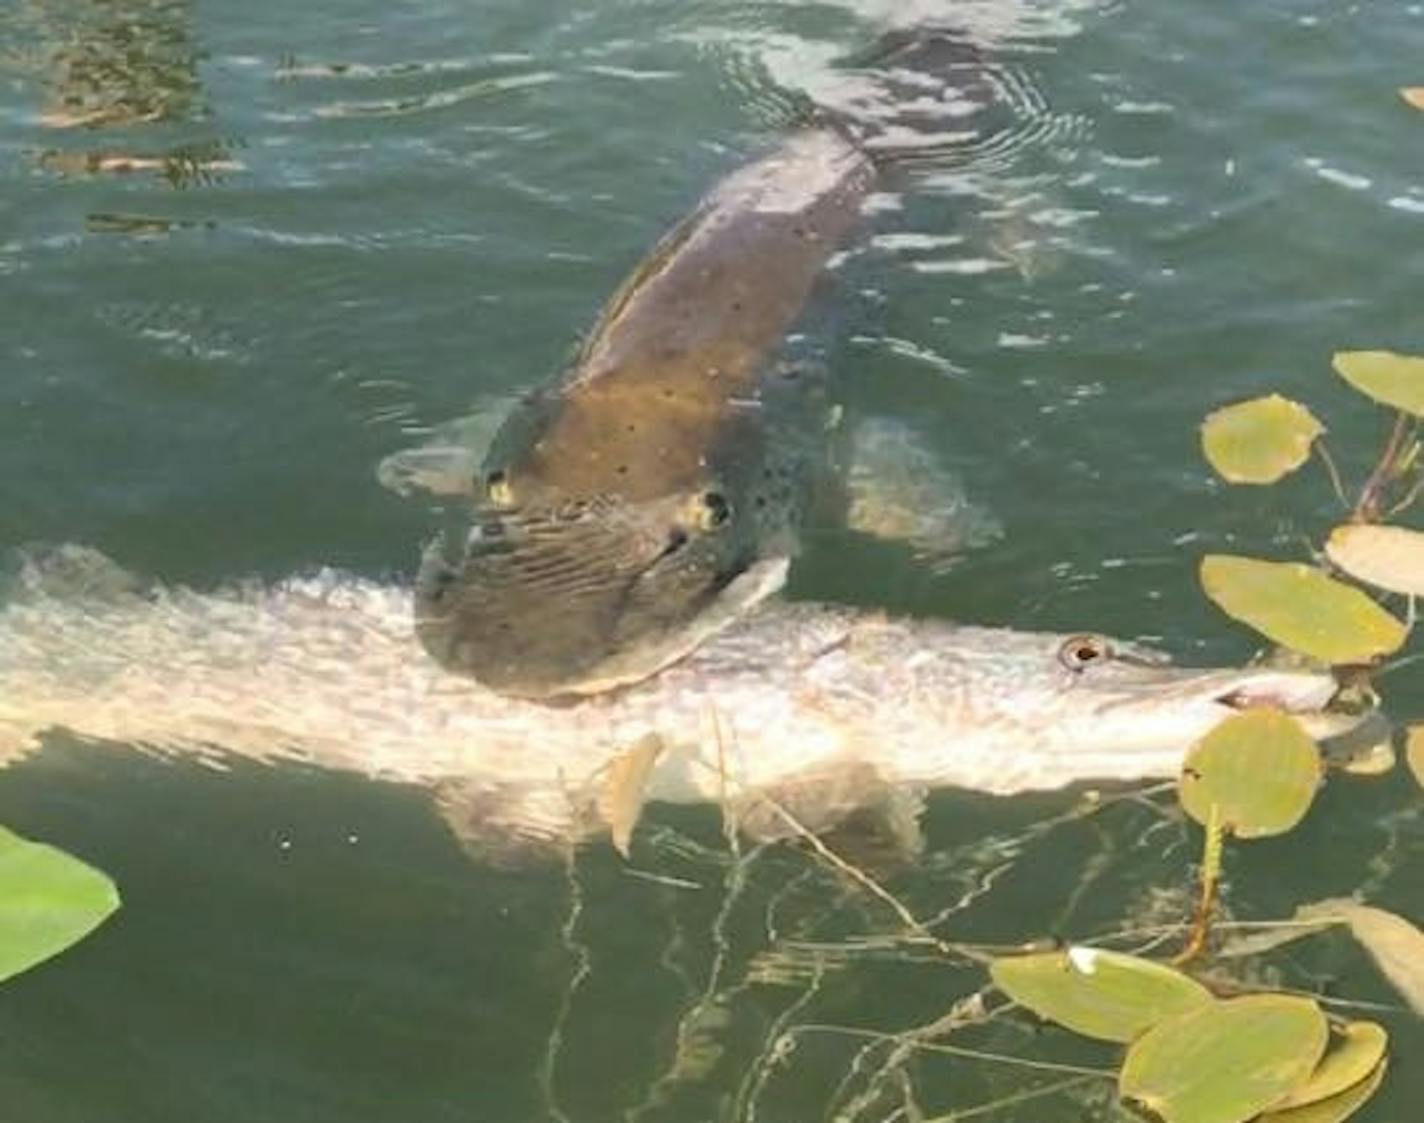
x=383 y=215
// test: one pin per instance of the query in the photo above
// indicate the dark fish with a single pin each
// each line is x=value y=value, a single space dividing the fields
x=655 y=492
x=636 y=496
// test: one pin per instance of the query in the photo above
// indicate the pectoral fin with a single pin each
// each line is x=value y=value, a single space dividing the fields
x=872 y=824
x=898 y=489
x=624 y=788
x=448 y=462
x=17 y=741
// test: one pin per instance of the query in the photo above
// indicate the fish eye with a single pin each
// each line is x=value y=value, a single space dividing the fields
x=1079 y=652
x=497 y=488
x=716 y=510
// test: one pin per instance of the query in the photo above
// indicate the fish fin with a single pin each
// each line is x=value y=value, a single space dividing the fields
x=507 y=825
x=50 y=571
x=926 y=98
x=883 y=837
x=447 y=462
x=852 y=803
x=17 y=741
x=624 y=788
x=898 y=490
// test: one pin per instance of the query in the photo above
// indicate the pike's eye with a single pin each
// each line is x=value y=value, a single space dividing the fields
x=1079 y=652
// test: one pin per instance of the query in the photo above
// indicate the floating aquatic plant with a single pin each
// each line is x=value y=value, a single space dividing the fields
x=48 y=901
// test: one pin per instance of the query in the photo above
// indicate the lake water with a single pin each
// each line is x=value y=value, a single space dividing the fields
x=248 y=250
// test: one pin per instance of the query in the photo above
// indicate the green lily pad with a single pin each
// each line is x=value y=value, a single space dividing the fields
x=1225 y=1062
x=1414 y=752
x=48 y=900
x=1301 y=608
x=1388 y=378
x=1259 y=767
x=1336 y=1108
x=1103 y=994
x=1352 y=1057
x=1388 y=557
x=1259 y=441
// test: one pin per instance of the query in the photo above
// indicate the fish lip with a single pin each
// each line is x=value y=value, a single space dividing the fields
x=1293 y=692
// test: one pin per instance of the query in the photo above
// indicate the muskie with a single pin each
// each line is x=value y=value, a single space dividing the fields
x=621 y=513
x=620 y=505
x=824 y=708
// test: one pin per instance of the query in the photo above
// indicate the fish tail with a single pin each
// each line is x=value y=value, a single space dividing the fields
x=931 y=99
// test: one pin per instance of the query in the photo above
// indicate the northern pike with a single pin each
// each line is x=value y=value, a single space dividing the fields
x=819 y=707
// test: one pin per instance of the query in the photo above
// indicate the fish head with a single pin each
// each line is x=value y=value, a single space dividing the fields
x=566 y=582
x=587 y=595
x=1013 y=711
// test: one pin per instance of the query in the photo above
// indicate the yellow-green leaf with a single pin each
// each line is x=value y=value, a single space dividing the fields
x=1225 y=1062
x=1389 y=557
x=1098 y=993
x=1353 y=1055
x=1414 y=752
x=1413 y=95
x=1259 y=441
x=1259 y=767
x=1301 y=608
x=1336 y=1108
x=48 y=900
x=1389 y=378
x=1396 y=945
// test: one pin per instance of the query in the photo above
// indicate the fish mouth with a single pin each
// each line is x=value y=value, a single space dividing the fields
x=1326 y=710
x=1295 y=693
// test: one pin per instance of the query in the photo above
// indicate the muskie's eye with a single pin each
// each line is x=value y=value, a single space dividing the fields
x=716 y=509
x=498 y=489
x=1078 y=652
x=708 y=510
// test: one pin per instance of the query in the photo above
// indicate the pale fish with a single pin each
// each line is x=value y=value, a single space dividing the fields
x=818 y=707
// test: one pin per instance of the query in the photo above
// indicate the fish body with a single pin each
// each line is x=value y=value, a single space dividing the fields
x=826 y=704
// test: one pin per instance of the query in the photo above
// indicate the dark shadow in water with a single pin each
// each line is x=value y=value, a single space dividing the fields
x=126 y=64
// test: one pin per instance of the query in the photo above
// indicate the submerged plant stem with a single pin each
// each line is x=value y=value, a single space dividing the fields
x=1367 y=509
x=1333 y=472
x=1011 y=1101
x=956 y=1050
x=1210 y=875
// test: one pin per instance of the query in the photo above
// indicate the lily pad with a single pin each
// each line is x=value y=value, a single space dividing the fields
x=1389 y=557
x=1413 y=95
x=1414 y=752
x=1301 y=608
x=1259 y=767
x=1336 y=1108
x=1259 y=441
x=1225 y=1062
x=48 y=900
x=1103 y=994
x=1390 y=379
x=1352 y=1057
